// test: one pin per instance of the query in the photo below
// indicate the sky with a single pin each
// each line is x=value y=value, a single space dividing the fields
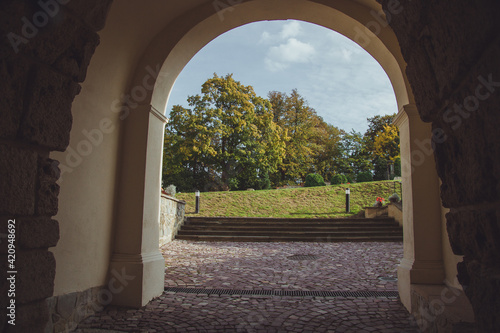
x=340 y=80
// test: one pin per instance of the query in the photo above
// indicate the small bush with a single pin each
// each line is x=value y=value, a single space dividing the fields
x=336 y=179
x=394 y=198
x=171 y=190
x=364 y=177
x=234 y=184
x=339 y=179
x=348 y=178
x=313 y=179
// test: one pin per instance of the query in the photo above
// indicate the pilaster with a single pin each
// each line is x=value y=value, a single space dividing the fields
x=422 y=262
x=136 y=254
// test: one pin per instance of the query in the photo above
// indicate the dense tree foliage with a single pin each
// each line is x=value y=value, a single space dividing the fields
x=313 y=145
x=230 y=138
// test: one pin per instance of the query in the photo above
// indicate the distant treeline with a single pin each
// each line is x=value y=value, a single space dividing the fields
x=232 y=139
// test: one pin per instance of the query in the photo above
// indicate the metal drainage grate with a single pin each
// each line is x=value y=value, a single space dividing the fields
x=388 y=278
x=293 y=293
x=303 y=257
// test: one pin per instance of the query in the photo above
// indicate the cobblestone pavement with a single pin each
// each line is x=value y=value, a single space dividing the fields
x=255 y=266
x=267 y=266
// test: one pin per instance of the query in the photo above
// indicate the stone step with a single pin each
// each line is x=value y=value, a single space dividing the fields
x=290 y=225
x=202 y=228
x=208 y=238
x=305 y=233
x=197 y=220
x=240 y=229
x=285 y=223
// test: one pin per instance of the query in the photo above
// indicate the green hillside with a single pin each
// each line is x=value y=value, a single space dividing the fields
x=325 y=201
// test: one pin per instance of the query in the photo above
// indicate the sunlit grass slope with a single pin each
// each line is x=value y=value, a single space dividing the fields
x=325 y=201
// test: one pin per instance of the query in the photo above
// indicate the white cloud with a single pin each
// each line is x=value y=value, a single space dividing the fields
x=347 y=54
x=293 y=51
x=265 y=37
x=291 y=29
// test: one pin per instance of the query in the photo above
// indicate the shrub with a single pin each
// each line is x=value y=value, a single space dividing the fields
x=397 y=167
x=394 y=198
x=234 y=184
x=339 y=179
x=348 y=178
x=171 y=190
x=313 y=179
x=364 y=177
x=336 y=179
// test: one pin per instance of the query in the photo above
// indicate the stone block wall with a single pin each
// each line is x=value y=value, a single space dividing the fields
x=45 y=49
x=373 y=212
x=171 y=218
x=452 y=49
x=67 y=311
x=441 y=309
x=396 y=210
x=390 y=210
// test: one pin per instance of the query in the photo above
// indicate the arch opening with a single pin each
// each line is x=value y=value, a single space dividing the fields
x=339 y=79
x=137 y=210
x=173 y=56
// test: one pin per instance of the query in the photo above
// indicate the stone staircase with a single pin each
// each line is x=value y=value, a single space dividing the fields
x=253 y=229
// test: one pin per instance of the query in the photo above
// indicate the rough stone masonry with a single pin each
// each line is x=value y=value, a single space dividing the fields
x=452 y=51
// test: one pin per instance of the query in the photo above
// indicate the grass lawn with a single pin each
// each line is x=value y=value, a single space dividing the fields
x=323 y=201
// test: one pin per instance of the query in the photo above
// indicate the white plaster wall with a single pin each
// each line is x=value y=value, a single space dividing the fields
x=88 y=183
x=89 y=187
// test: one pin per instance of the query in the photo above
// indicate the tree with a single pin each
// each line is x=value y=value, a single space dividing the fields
x=380 y=171
x=355 y=157
x=386 y=144
x=300 y=121
x=397 y=167
x=187 y=147
x=382 y=144
x=327 y=149
x=227 y=135
x=376 y=125
x=230 y=138
x=313 y=145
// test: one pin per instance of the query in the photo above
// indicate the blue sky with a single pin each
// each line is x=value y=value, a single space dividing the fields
x=340 y=80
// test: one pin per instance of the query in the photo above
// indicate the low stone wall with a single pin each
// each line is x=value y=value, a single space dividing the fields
x=395 y=210
x=171 y=218
x=391 y=210
x=372 y=212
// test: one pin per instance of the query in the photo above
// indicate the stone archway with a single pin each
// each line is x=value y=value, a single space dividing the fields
x=452 y=51
x=171 y=49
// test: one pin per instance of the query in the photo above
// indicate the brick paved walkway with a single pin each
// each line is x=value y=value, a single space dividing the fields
x=267 y=266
